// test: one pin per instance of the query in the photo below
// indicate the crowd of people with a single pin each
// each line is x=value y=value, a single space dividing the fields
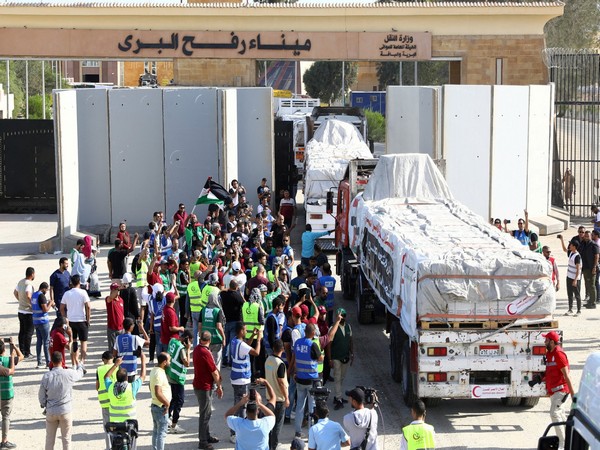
x=223 y=293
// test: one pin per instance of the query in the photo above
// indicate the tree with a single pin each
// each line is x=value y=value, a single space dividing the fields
x=323 y=79
x=375 y=126
x=577 y=27
x=36 y=110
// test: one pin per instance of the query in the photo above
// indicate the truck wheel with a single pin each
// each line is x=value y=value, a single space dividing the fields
x=396 y=341
x=433 y=402
x=530 y=402
x=407 y=383
x=511 y=401
x=365 y=316
x=346 y=287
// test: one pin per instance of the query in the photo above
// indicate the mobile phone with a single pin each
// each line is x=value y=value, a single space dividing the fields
x=7 y=340
x=252 y=395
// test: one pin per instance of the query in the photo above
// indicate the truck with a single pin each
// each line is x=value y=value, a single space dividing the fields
x=328 y=153
x=582 y=428
x=465 y=304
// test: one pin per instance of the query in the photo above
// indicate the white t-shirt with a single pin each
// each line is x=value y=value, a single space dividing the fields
x=75 y=300
x=240 y=278
x=597 y=219
x=244 y=350
x=29 y=289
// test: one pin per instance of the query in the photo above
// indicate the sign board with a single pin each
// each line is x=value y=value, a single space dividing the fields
x=145 y=44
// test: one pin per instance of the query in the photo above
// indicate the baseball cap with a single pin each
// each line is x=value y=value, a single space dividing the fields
x=341 y=311
x=164 y=261
x=127 y=278
x=553 y=336
x=322 y=309
x=296 y=311
x=297 y=444
x=114 y=287
x=277 y=261
x=262 y=288
x=357 y=394
x=302 y=286
x=304 y=310
x=170 y=297
x=236 y=266
x=156 y=288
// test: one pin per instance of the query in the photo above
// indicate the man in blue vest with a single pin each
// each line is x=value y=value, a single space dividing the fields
x=129 y=347
x=240 y=364
x=274 y=324
x=306 y=358
x=41 y=322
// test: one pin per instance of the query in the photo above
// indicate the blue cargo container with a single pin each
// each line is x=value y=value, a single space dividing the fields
x=373 y=100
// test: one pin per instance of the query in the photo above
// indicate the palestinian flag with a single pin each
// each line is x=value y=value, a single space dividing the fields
x=213 y=193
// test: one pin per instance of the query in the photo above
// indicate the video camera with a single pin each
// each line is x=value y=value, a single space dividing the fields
x=319 y=392
x=371 y=399
x=123 y=435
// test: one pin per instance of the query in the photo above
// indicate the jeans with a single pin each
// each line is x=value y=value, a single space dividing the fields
x=557 y=414
x=25 y=333
x=239 y=390
x=158 y=344
x=182 y=310
x=159 y=428
x=274 y=434
x=6 y=409
x=204 y=411
x=195 y=320
x=303 y=392
x=229 y=335
x=65 y=422
x=571 y=290
x=291 y=395
x=178 y=398
x=42 y=334
x=590 y=289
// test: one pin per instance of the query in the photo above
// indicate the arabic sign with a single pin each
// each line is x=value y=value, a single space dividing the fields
x=119 y=44
x=489 y=391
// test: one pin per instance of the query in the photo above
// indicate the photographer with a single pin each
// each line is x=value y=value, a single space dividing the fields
x=326 y=433
x=252 y=432
x=361 y=424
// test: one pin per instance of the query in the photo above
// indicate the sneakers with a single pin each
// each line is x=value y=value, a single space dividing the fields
x=213 y=440
x=8 y=445
x=41 y=365
x=569 y=313
x=205 y=446
x=300 y=436
x=287 y=420
x=177 y=430
x=590 y=305
x=578 y=313
x=232 y=438
x=339 y=404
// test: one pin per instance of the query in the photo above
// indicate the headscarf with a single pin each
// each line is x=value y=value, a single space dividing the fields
x=213 y=300
x=87 y=246
x=255 y=296
x=120 y=387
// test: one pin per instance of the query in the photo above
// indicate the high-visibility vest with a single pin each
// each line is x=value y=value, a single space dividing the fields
x=176 y=371
x=206 y=291
x=157 y=309
x=320 y=363
x=166 y=280
x=306 y=367
x=39 y=316
x=194 y=294
x=6 y=383
x=126 y=350
x=250 y=318
x=277 y=332
x=240 y=365
x=419 y=436
x=181 y=288
x=102 y=391
x=142 y=274
x=210 y=316
x=121 y=407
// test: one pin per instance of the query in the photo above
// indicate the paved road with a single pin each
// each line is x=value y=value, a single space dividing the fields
x=460 y=424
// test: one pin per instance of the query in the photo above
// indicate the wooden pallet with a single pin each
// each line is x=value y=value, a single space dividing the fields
x=482 y=325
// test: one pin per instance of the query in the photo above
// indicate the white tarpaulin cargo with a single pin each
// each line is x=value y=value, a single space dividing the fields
x=418 y=245
x=327 y=155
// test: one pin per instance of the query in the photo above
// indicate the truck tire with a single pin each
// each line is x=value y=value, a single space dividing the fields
x=346 y=286
x=397 y=337
x=432 y=402
x=511 y=401
x=408 y=392
x=530 y=402
x=365 y=316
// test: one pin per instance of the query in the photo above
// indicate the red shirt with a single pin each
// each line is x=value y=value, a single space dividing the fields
x=115 y=313
x=169 y=319
x=152 y=278
x=58 y=342
x=555 y=361
x=204 y=366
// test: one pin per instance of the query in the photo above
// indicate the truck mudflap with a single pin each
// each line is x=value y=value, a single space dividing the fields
x=480 y=364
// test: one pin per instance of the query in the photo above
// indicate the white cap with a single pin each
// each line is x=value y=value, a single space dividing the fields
x=127 y=278
x=302 y=286
x=236 y=266
x=157 y=288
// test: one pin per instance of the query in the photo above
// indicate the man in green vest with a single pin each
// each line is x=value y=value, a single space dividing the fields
x=341 y=356
x=179 y=351
x=194 y=295
x=213 y=321
x=253 y=317
x=418 y=435
x=7 y=393
x=102 y=392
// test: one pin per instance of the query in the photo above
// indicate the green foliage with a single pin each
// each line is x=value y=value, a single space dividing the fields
x=375 y=125
x=577 y=27
x=324 y=79
x=36 y=107
x=430 y=73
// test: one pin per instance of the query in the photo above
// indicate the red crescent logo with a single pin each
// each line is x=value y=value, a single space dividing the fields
x=509 y=309
x=476 y=391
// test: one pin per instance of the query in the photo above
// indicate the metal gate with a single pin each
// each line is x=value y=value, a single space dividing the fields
x=575 y=172
x=27 y=167
x=285 y=169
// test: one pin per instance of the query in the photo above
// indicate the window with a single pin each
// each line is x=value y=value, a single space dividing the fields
x=373 y=98
x=150 y=67
x=89 y=63
x=359 y=100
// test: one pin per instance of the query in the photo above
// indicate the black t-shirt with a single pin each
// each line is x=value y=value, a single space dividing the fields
x=42 y=299
x=232 y=302
x=117 y=261
x=130 y=302
x=588 y=250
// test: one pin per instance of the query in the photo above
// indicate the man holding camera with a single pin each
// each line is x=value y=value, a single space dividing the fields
x=326 y=433
x=252 y=432
x=361 y=424
x=7 y=369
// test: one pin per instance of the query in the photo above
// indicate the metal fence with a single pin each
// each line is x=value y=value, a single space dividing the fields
x=575 y=172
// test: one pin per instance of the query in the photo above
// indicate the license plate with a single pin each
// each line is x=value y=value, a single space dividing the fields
x=489 y=350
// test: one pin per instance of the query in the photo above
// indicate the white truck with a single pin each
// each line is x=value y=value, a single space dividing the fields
x=327 y=155
x=466 y=304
